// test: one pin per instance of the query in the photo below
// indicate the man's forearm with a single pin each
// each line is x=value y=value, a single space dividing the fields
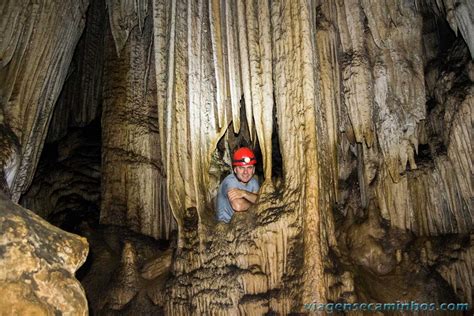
x=240 y=205
x=240 y=200
x=251 y=197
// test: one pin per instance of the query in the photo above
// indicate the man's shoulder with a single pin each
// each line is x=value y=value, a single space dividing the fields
x=232 y=181
x=253 y=183
x=230 y=178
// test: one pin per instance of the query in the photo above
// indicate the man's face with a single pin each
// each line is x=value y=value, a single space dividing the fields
x=244 y=173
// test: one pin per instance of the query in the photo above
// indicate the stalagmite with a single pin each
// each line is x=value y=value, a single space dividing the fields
x=359 y=111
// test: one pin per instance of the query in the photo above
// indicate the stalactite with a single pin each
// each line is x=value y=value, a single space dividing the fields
x=161 y=36
x=80 y=99
x=260 y=61
x=30 y=86
x=132 y=173
x=297 y=95
x=459 y=14
x=358 y=87
x=244 y=66
x=124 y=16
x=197 y=86
x=434 y=200
x=329 y=73
x=179 y=174
x=233 y=70
x=219 y=60
x=345 y=83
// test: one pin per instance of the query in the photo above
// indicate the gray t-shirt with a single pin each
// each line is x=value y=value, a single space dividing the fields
x=224 y=211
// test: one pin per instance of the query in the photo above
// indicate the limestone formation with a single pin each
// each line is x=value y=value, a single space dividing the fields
x=66 y=186
x=37 y=265
x=133 y=186
x=80 y=100
x=36 y=47
x=360 y=112
x=459 y=15
x=125 y=273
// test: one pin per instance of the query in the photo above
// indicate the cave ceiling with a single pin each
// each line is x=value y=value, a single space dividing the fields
x=126 y=113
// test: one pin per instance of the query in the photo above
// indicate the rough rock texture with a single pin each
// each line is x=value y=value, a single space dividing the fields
x=37 y=265
x=385 y=98
x=66 y=186
x=125 y=272
x=133 y=188
x=460 y=16
x=367 y=108
x=38 y=41
x=374 y=52
x=193 y=126
x=80 y=101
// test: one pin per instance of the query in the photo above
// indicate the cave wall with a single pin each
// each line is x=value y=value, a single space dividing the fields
x=32 y=35
x=133 y=184
x=80 y=100
x=68 y=175
x=384 y=92
x=373 y=131
x=294 y=61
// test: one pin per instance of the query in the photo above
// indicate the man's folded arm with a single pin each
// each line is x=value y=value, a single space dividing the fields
x=251 y=197
x=240 y=204
x=241 y=200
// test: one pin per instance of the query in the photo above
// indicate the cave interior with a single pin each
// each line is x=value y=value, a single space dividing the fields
x=119 y=119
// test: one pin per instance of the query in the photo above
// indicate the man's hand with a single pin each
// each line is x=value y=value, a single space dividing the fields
x=241 y=200
x=235 y=193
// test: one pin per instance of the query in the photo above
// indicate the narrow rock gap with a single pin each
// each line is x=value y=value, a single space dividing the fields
x=137 y=111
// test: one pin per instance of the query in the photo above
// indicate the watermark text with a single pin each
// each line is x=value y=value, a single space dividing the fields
x=396 y=306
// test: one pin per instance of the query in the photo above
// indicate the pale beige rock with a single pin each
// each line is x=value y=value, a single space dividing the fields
x=437 y=198
x=133 y=184
x=19 y=299
x=37 y=265
x=296 y=68
x=341 y=84
x=36 y=47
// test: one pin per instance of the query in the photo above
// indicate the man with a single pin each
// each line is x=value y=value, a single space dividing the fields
x=238 y=191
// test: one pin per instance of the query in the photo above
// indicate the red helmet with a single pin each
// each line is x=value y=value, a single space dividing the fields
x=243 y=157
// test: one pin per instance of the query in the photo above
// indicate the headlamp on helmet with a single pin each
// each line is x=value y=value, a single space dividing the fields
x=243 y=157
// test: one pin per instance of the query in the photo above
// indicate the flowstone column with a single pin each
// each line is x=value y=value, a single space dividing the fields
x=133 y=184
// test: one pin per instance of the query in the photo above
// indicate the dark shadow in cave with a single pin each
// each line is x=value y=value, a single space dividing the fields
x=66 y=187
x=242 y=139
